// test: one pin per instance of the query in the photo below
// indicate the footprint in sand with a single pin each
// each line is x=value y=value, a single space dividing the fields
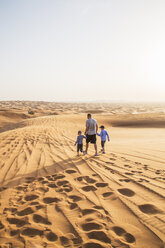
x=89 y=179
x=65 y=241
x=20 y=188
x=129 y=238
x=118 y=230
x=127 y=165
x=70 y=171
x=89 y=188
x=73 y=206
x=91 y=226
x=129 y=173
x=51 y=236
x=17 y=222
x=150 y=209
x=68 y=189
x=52 y=185
x=99 y=235
x=85 y=178
x=48 y=200
x=88 y=211
x=101 y=185
x=40 y=219
x=94 y=175
x=14 y=232
x=61 y=183
x=49 y=177
x=125 y=180
x=142 y=180
x=79 y=179
x=37 y=207
x=158 y=172
x=40 y=179
x=29 y=179
x=2 y=188
x=77 y=240
x=57 y=177
x=44 y=181
x=107 y=194
x=30 y=197
x=93 y=245
x=75 y=198
x=32 y=232
x=111 y=163
x=13 y=210
x=43 y=189
x=34 y=203
x=145 y=167
x=98 y=207
x=110 y=170
x=126 y=192
x=25 y=211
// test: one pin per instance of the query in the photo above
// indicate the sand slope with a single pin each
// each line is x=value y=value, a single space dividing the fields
x=52 y=198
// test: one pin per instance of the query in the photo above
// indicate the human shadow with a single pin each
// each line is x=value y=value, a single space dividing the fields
x=57 y=167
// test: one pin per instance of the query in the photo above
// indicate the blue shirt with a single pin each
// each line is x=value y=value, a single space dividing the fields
x=103 y=135
x=80 y=139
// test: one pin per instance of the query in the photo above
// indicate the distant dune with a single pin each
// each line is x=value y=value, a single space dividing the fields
x=49 y=197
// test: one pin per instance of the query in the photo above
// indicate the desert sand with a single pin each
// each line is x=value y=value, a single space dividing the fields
x=49 y=197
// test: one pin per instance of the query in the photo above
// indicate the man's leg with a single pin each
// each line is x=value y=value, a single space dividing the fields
x=95 y=146
x=87 y=145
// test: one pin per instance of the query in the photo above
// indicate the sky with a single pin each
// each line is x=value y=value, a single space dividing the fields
x=82 y=50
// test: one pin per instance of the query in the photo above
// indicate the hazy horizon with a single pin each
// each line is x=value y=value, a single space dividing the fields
x=81 y=51
x=89 y=101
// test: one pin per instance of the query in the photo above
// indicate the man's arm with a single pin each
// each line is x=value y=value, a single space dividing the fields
x=86 y=130
x=96 y=127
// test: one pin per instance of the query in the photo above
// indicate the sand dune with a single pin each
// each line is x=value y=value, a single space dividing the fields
x=49 y=197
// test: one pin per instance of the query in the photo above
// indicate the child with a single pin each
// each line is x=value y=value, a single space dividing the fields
x=79 y=142
x=103 y=135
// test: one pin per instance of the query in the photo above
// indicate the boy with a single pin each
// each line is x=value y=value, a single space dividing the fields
x=79 y=142
x=103 y=135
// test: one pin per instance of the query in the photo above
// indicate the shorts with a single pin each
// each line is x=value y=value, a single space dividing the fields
x=91 y=138
x=79 y=147
x=102 y=143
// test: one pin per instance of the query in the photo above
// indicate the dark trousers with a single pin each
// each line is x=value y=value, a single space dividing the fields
x=102 y=143
x=79 y=147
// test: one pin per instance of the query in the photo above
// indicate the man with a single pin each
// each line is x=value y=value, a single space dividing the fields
x=90 y=131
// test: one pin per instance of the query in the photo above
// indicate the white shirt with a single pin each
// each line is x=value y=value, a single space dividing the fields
x=91 y=124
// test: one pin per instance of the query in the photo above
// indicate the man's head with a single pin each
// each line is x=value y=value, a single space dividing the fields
x=89 y=116
x=102 y=127
x=79 y=132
